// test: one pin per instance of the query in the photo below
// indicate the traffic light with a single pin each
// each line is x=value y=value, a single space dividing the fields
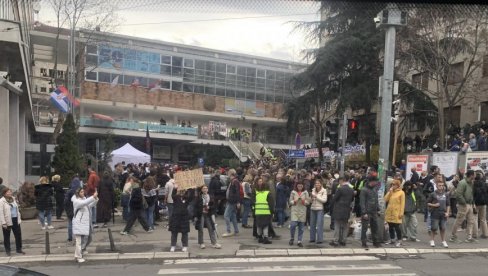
x=332 y=133
x=352 y=130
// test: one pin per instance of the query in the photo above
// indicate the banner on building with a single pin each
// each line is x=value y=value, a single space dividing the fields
x=446 y=161
x=189 y=179
x=420 y=162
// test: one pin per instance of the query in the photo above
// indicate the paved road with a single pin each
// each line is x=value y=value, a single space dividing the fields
x=399 y=265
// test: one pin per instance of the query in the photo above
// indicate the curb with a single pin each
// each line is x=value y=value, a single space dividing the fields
x=239 y=253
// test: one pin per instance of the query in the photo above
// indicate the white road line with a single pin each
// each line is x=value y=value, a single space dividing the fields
x=272 y=259
x=172 y=271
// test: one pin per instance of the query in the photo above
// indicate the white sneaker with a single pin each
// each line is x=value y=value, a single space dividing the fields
x=432 y=243
x=172 y=249
x=202 y=246
x=216 y=246
x=184 y=249
x=43 y=227
x=50 y=227
x=444 y=243
x=398 y=244
x=225 y=235
x=80 y=260
x=388 y=242
x=84 y=252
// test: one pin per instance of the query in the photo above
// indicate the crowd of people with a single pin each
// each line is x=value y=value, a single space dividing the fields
x=264 y=197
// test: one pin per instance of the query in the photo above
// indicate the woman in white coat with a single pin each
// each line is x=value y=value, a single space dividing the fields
x=82 y=220
x=10 y=221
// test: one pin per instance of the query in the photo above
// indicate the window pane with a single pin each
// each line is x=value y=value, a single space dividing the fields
x=259 y=97
x=143 y=82
x=165 y=59
x=241 y=71
x=188 y=63
x=250 y=95
x=130 y=54
x=91 y=76
x=176 y=86
x=269 y=98
x=210 y=66
x=91 y=60
x=240 y=94
x=165 y=84
x=104 y=77
x=166 y=70
x=209 y=90
x=177 y=61
x=220 y=92
x=177 y=71
x=231 y=69
x=221 y=67
x=187 y=87
x=251 y=72
x=270 y=75
x=261 y=73
x=199 y=89
x=230 y=93
x=199 y=64
x=92 y=49
x=279 y=99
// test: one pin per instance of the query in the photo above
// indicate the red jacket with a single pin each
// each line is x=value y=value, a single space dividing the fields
x=92 y=184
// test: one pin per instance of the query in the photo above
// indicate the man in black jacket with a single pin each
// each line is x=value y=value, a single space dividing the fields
x=368 y=200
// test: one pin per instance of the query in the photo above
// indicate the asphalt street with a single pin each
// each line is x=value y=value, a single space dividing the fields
x=398 y=265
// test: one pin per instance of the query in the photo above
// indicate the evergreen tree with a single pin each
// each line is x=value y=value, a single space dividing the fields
x=67 y=159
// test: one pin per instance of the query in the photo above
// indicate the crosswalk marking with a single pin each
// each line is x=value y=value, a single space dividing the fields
x=301 y=268
x=272 y=259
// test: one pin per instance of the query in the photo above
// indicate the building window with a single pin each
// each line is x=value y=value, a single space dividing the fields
x=231 y=69
x=92 y=49
x=176 y=86
x=456 y=73
x=43 y=89
x=485 y=66
x=421 y=81
x=187 y=87
x=44 y=72
x=90 y=75
x=165 y=59
x=188 y=63
x=104 y=77
x=484 y=112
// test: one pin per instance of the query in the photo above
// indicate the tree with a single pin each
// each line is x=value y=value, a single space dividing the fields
x=447 y=43
x=67 y=160
x=90 y=15
x=106 y=157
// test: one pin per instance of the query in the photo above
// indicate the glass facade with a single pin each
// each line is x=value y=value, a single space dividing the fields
x=181 y=73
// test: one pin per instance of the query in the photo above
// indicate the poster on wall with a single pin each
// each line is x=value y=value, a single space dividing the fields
x=477 y=161
x=420 y=162
x=446 y=161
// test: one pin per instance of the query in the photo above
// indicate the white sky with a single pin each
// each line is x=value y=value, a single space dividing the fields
x=272 y=35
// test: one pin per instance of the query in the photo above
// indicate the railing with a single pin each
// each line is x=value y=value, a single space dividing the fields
x=137 y=126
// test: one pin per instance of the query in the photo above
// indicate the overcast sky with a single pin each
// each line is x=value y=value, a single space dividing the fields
x=256 y=27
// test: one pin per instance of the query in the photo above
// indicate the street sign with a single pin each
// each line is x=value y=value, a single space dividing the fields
x=296 y=154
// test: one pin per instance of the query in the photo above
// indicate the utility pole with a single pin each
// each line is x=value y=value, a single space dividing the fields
x=343 y=143
x=389 y=18
x=398 y=110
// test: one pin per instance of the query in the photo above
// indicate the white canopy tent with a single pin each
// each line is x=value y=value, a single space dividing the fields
x=129 y=154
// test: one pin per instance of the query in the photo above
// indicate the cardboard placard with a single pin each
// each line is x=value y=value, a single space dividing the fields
x=189 y=179
x=420 y=162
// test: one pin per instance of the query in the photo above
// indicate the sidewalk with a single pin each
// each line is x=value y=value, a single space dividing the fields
x=142 y=245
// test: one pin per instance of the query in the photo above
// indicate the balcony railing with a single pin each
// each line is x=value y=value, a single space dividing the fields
x=137 y=126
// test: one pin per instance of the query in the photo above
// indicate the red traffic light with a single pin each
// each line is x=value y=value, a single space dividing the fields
x=353 y=124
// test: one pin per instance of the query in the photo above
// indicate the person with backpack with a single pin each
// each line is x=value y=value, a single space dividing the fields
x=480 y=194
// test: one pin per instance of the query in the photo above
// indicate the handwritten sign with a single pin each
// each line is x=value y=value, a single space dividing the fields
x=189 y=179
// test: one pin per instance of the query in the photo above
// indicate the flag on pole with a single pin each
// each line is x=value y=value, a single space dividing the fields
x=115 y=81
x=148 y=141
x=59 y=100
x=70 y=98
x=298 y=140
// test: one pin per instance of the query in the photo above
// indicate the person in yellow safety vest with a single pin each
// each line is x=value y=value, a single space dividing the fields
x=409 y=225
x=263 y=210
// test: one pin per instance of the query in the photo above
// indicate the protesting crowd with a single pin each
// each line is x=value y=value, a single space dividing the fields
x=263 y=197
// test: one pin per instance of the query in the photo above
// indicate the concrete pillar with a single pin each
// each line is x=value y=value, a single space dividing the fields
x=4 y=135
x=14 y=141
x=22 y=141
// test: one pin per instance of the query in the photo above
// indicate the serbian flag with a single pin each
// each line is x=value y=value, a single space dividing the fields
x=148 y=141
x=60 y=101
x=62 y=89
